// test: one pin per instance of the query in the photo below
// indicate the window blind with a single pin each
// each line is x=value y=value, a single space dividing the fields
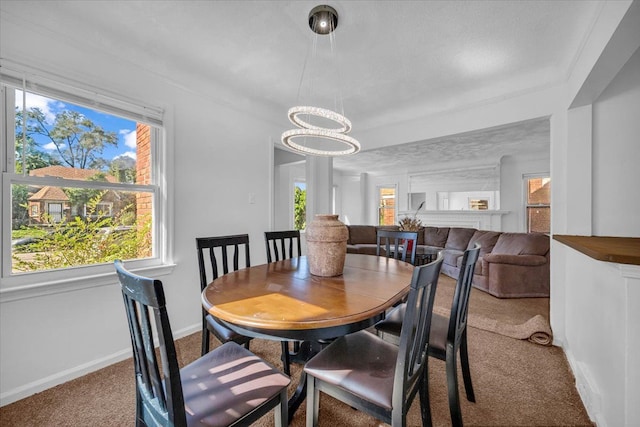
x=41 y=83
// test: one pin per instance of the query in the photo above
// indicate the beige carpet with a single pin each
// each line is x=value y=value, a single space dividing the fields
x=501 y=316
x=517 y=383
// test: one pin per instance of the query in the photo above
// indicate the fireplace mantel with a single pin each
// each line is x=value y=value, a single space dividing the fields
x=482 y=220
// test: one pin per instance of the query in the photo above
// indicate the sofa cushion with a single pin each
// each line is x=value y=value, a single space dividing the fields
x=459 y=238
x=369 y=249
x=387 y=227
x=526 y=260
x=522 y=244
x=486 y=239
x=361 y=234
x=435 y=236
x=450 y=256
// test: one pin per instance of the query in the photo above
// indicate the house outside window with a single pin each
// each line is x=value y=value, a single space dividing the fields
x=82 y=181
x=538 y=204
x=387 y=205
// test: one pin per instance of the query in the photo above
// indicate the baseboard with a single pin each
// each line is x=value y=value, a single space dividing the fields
x=587 y=389
x=43 y=384
x=34 y=387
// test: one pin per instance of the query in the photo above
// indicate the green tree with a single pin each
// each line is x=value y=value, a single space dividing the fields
x=80 y=197
x=124 y=169
x=300 y=209
x=19 y=205
x=27 y=151
x=79 y=143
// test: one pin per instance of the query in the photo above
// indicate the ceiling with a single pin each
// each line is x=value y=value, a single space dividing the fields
x=393 y=60
x=478 y=148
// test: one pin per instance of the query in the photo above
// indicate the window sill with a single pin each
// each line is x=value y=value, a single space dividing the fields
x=70 y=284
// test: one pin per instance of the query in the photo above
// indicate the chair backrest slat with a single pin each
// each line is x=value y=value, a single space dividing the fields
x=277 y=243
x=396 y=244
x=218 y=249
x=158 y=384
x=460 y=304
x=412 y=351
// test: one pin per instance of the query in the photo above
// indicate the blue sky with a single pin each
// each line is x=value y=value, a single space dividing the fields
x=123 y=128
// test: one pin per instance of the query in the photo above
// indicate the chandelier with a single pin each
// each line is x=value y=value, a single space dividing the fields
x=323 y=20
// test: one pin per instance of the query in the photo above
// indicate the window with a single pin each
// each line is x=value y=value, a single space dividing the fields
x=101 y=210
x=299 y=205
x=80 y=173
x=538 y=204
x=387 y=205
x=54 y=210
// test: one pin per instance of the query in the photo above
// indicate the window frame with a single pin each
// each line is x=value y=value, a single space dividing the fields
x=29 y=284
x=296 y=181
x=525 y=198
x=379 y=200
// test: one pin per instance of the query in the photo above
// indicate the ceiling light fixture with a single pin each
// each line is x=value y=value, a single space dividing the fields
x=323 y=20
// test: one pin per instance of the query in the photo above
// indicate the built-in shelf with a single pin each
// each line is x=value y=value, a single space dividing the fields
x=622 y=250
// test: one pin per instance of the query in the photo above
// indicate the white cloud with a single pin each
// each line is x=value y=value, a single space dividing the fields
x=51 y=146
x=129 y=137
x=46 y=105
x=131 y=154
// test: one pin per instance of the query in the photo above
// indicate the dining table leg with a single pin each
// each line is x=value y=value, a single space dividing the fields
x=307 y=350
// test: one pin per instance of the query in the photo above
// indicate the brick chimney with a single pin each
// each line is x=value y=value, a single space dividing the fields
x=144 y=201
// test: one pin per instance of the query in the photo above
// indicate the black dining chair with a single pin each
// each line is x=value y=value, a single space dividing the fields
x=284 y=245
x=448 y=334
x=374 y=376
x=394 y=244
x=229 y=386
x=215 y=256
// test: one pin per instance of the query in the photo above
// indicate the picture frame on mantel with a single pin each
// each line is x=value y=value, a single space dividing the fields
x=478 y=204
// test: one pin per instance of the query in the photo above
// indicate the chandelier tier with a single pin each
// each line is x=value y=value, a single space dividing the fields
x=323 y=20
x=296 y=112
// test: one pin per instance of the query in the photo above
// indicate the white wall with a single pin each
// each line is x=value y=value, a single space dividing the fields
x=50 y=339
x=475 y=177
x=602 y=343
x=351 y=208
x=509 y=182
x=595 y=305
x=601 y=338
x=285 y=176
x=616 y=155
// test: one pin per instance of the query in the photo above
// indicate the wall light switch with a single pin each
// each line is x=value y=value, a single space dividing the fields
x=252 y=198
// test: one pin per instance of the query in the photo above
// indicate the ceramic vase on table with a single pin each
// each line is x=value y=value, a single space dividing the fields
x=326 y=245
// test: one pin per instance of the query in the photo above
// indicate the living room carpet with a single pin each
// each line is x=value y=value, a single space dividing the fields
x=517 y=383
x=501 y=316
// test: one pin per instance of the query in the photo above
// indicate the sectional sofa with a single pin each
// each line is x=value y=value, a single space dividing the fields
x=511 y=265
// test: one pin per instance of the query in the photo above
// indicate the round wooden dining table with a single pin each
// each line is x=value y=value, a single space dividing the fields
x=283 y=300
